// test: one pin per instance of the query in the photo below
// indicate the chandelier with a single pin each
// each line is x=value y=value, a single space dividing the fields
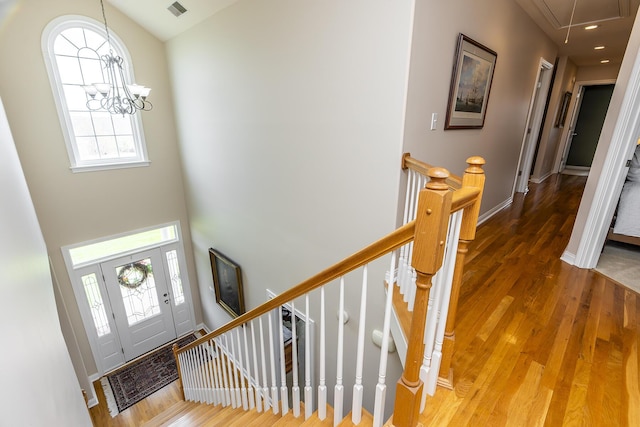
x=114 y=95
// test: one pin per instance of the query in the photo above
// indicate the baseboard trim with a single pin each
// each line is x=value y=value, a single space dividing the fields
x=569 y=258
x=93 y=401
x=485 y=216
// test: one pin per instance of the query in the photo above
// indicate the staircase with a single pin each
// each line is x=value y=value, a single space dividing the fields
x=238 y=374
x=193 y=414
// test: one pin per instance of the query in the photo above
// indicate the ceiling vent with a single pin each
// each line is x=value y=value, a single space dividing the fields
x=177 y=9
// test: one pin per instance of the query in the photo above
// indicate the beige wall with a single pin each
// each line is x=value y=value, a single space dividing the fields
x=290 y=118
x=39 y=387
x=504 y=27
x=78 y=207
x=598 y=72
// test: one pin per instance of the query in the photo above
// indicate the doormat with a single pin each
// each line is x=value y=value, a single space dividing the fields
x=130 y=384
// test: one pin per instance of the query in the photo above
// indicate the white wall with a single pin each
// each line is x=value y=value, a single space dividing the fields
x=504 y=27
x=290 y=117
x=76 y=207
x=38 y=382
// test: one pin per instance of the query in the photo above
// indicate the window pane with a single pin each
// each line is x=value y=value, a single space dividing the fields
x=75 y=36
x=141 y=301
x=91 y=70
x=76 y=98
x=87 y=148
x=126 y=147
x=69 y=69
x=122 y=124
x=174 y=274
x=62 y=46
x=82 y=125
x=102 y=123
x=107 y=146
x=94 y=40
x=92 y=291
x=97 y=251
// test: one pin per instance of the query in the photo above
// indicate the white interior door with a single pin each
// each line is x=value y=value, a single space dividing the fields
x=140 y=301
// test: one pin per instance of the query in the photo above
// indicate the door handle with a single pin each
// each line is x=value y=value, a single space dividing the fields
x=574 y=134
x=166 y=301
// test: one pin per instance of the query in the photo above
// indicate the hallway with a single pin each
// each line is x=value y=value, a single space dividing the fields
x=540 y=342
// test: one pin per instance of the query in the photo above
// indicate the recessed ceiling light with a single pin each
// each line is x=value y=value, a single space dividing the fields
x=604 y=61
x=598 y=48
x=591 y=27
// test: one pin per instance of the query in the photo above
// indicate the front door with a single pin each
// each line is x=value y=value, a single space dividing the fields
x=140 y=302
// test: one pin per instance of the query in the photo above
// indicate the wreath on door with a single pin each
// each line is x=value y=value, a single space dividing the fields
x=133 y=275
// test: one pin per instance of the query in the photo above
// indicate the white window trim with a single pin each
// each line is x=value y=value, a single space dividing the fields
x=55 y=27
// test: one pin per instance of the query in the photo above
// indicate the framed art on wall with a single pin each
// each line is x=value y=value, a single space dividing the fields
x=471 y=80
x=227 y=283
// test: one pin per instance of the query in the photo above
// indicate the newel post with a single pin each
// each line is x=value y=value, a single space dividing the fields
x=473 y=177
x=175 y=355
x=434 y=206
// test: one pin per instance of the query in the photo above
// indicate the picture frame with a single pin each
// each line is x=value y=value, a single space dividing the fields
x=564 y=110
x=473 y=68
x=227 y=283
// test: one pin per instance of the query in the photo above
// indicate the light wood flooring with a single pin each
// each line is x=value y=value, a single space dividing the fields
x=538 y=342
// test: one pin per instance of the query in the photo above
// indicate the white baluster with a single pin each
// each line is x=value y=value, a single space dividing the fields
x=405 y=287
x=272 y=359
x=216 y=374
x=308 y=393
x=322 y=386
x=338 y=394
x=381 y=387
x=232 y=384
x=284 y=391
x=192 y=385
x=255 y=369
x=295 y=389
x=184 y=375
x=402 y=264
x=250 y=394
x=206 y=375
x=447 y=271
x=265 y=390
x=234 y=365
x=226 y=390
x=358 y=389
x=243 y=388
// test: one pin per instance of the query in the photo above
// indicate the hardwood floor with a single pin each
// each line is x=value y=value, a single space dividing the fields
x=539 y=343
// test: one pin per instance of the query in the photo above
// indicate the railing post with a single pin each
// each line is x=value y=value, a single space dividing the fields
x=175 y=355
x=473 y=177
x=434 y=206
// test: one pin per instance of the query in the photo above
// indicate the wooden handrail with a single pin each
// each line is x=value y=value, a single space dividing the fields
x=393 y=240
x=453 y=181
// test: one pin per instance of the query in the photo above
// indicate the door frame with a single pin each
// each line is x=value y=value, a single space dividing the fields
x=611 y=178
x=574 y=108
x=184 y=321
x=533 y=126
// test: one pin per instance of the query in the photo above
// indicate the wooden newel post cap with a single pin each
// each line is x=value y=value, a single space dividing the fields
x=438 y=177
x=475 y=165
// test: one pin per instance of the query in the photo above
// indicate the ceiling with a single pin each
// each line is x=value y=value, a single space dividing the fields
x=614 y=17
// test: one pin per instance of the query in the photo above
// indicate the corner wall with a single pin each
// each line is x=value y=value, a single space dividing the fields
x=39 y=386
x=290 y=118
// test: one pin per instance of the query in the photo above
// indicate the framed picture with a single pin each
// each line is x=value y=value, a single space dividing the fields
x=227 y=282
x=564 y=109
x=473 y=68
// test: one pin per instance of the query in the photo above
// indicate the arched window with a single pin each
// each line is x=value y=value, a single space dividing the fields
x=72 y=47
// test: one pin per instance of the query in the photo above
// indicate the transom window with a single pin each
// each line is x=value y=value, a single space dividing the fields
x=72 y=48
